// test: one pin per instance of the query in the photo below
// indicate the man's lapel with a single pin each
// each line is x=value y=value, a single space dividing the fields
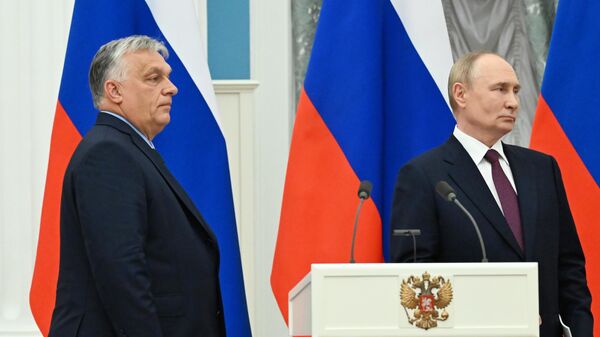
x=158 y=162
x=466 y=176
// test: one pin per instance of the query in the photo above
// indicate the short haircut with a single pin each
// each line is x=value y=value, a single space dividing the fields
x=107 y=63
x=462 y=72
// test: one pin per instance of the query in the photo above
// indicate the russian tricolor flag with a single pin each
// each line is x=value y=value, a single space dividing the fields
x=193 y=144
x=374 y=97
x=567 y=121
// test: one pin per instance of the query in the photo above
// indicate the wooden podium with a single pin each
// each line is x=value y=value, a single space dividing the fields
x=352 y=300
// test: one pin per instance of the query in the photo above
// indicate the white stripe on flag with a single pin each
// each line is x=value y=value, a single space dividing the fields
x=425 y=24
x=179 y=23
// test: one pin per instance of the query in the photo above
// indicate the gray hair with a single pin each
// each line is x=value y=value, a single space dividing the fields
x=107 y=63
x=462 y=72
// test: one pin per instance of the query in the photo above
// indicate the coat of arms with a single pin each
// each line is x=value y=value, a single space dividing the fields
x=425 y=297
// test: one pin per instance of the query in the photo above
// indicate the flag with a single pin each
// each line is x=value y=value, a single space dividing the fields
x=567 y=119
x=373 y=97
x=193 y=145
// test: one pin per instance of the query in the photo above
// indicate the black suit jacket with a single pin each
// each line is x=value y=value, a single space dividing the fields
x=136 y=256
x=448 y=236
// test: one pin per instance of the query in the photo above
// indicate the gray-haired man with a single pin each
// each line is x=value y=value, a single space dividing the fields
x=136 y=256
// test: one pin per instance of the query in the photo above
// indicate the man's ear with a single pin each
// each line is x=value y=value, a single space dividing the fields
x=458 y=92
x=112 y=91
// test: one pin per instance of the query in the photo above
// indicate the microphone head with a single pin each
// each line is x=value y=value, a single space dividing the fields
x=445 y=190
x=364 y=190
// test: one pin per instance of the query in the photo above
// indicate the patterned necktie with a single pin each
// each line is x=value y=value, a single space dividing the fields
x=507 y=196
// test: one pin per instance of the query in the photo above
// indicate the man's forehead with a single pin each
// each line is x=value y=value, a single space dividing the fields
x=489 y=64
x=157 y=67
x=495 y=69
x=147 y=60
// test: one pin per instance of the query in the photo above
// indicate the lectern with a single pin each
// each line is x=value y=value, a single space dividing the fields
x=416 y=299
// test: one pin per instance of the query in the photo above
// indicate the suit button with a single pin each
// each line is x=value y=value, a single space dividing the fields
x=219 y=313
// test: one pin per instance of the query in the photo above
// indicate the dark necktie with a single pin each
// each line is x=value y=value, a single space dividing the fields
x=507 y=196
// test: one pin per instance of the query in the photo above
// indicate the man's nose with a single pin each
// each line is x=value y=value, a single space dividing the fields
x=512 y=101
x=170 y=89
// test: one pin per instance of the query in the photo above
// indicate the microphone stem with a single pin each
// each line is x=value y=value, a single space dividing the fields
x=354 y=231
x=484 y=259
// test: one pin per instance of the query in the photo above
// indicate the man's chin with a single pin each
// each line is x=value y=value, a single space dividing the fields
x=165 y=117
x=506 y=128
x=162 y=122
x=165 y=122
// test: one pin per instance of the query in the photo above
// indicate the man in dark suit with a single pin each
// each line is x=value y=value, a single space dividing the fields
x=136 y=256
x=516 y=195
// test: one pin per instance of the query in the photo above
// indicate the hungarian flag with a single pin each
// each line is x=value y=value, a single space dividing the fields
x=373 y=97
x=567 y=120
x=193 y=144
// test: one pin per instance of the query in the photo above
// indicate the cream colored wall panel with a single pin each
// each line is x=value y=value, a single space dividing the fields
x=236 y=104
x=229 y=106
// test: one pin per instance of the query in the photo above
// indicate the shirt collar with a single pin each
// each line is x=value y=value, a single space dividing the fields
x=148 y=141
x=475 y=148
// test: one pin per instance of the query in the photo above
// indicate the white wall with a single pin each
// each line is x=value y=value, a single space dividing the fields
x=257 y=125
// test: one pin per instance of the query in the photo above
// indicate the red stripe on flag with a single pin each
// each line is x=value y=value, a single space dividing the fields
x=318 y=209
x=42 y=296
x=582 y=192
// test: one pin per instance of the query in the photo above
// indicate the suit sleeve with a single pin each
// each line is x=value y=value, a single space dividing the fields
x=414 y=207
x=111 y=201
x=575 y=298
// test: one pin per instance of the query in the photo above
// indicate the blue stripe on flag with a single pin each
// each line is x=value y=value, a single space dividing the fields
x=192 y=144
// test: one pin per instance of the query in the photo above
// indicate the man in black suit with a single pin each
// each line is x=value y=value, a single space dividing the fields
x=136 y=256
x=516 y=195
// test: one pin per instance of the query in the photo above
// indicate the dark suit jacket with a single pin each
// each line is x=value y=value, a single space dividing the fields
x=136 y=256
x=448 y=236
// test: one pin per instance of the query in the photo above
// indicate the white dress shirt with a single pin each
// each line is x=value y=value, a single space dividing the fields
x=477 y=151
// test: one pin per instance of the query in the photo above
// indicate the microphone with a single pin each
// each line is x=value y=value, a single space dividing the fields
x=364 y=192
x=447 y=192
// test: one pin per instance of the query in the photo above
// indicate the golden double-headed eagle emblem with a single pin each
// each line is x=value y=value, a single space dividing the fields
x=425 y=296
